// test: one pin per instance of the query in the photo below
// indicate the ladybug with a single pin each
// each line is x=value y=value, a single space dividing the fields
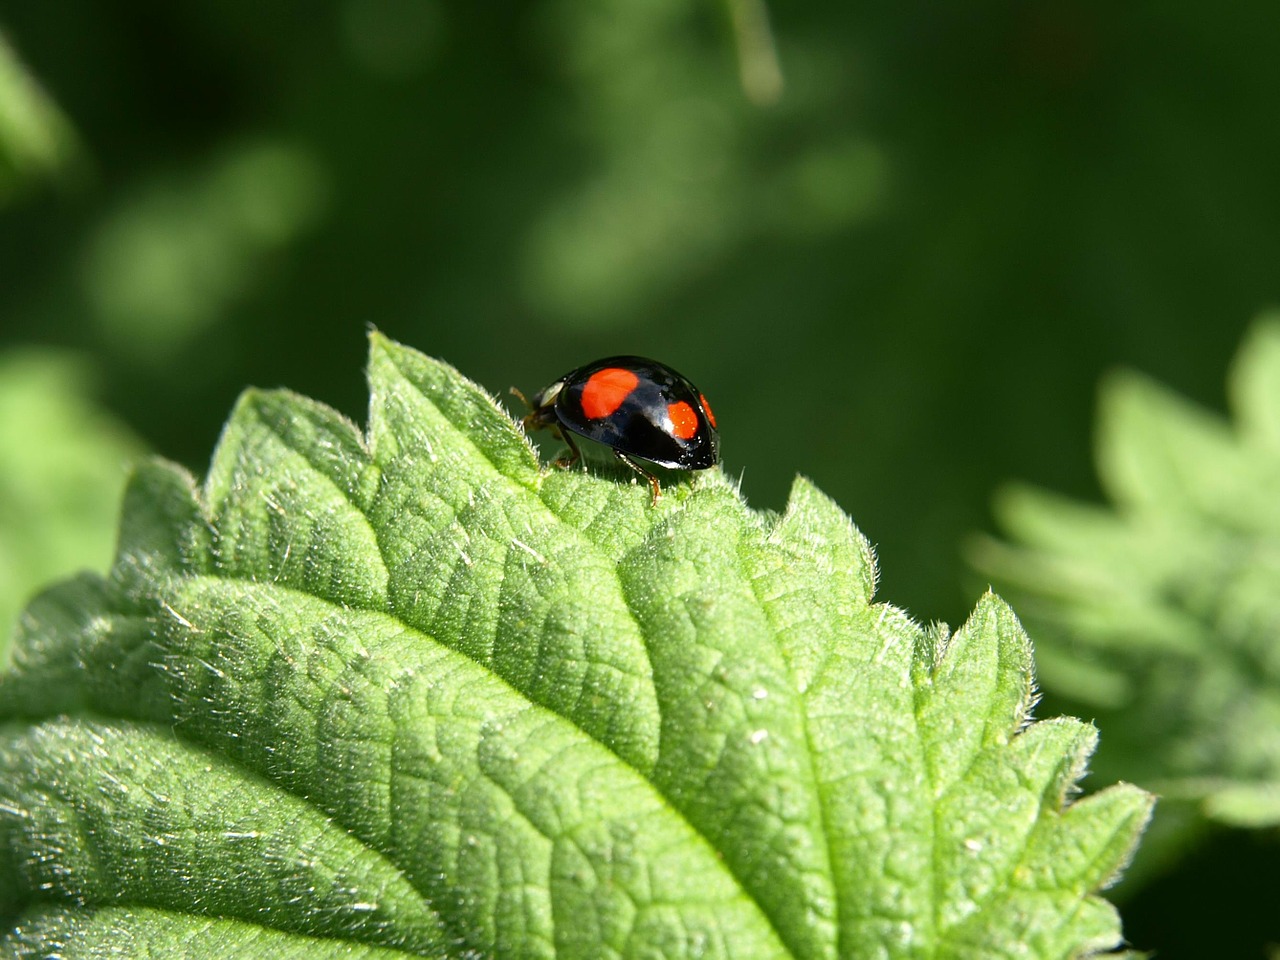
x=639 y=408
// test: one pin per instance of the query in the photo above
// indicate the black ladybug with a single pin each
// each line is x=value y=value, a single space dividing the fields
x=638 y=408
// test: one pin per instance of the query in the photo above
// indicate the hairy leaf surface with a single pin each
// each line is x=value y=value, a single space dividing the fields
x=408 y=690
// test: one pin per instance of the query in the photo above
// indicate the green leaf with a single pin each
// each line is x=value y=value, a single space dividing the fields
x=64 y=465
x=410 y=691
x=1162 y=614
x=113 y=932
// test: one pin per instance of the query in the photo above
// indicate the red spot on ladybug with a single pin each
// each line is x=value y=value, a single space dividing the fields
x=684 y=422
x=606 y=390
x=706 y=408
x=638 y=408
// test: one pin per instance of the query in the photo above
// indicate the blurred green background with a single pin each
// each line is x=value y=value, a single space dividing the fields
x=898 y=266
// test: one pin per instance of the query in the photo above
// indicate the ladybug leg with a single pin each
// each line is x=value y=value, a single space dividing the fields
x=564 y=463
x=653 y=481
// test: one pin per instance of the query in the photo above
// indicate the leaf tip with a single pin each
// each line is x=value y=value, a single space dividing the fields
x=1129 y=809
x=163 y=523
x=817 y=521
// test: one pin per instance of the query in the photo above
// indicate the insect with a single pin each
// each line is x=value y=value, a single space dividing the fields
x=640 y=409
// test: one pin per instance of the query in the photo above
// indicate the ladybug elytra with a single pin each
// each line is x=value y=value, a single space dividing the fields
x=638 y=408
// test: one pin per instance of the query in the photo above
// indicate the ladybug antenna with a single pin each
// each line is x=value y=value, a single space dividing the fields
x=517 y=392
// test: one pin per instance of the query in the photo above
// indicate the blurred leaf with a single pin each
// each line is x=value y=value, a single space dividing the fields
x=62 y=468
x=169 y=262
x=680 y=170
x=36 y=140
x=408 y=690
x=829 y=187
x=1163 y=612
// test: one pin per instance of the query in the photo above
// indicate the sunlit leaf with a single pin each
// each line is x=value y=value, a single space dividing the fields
x=409 y=690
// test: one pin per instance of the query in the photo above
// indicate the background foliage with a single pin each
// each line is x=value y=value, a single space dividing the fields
x=903 y=278
x=1157 y=614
